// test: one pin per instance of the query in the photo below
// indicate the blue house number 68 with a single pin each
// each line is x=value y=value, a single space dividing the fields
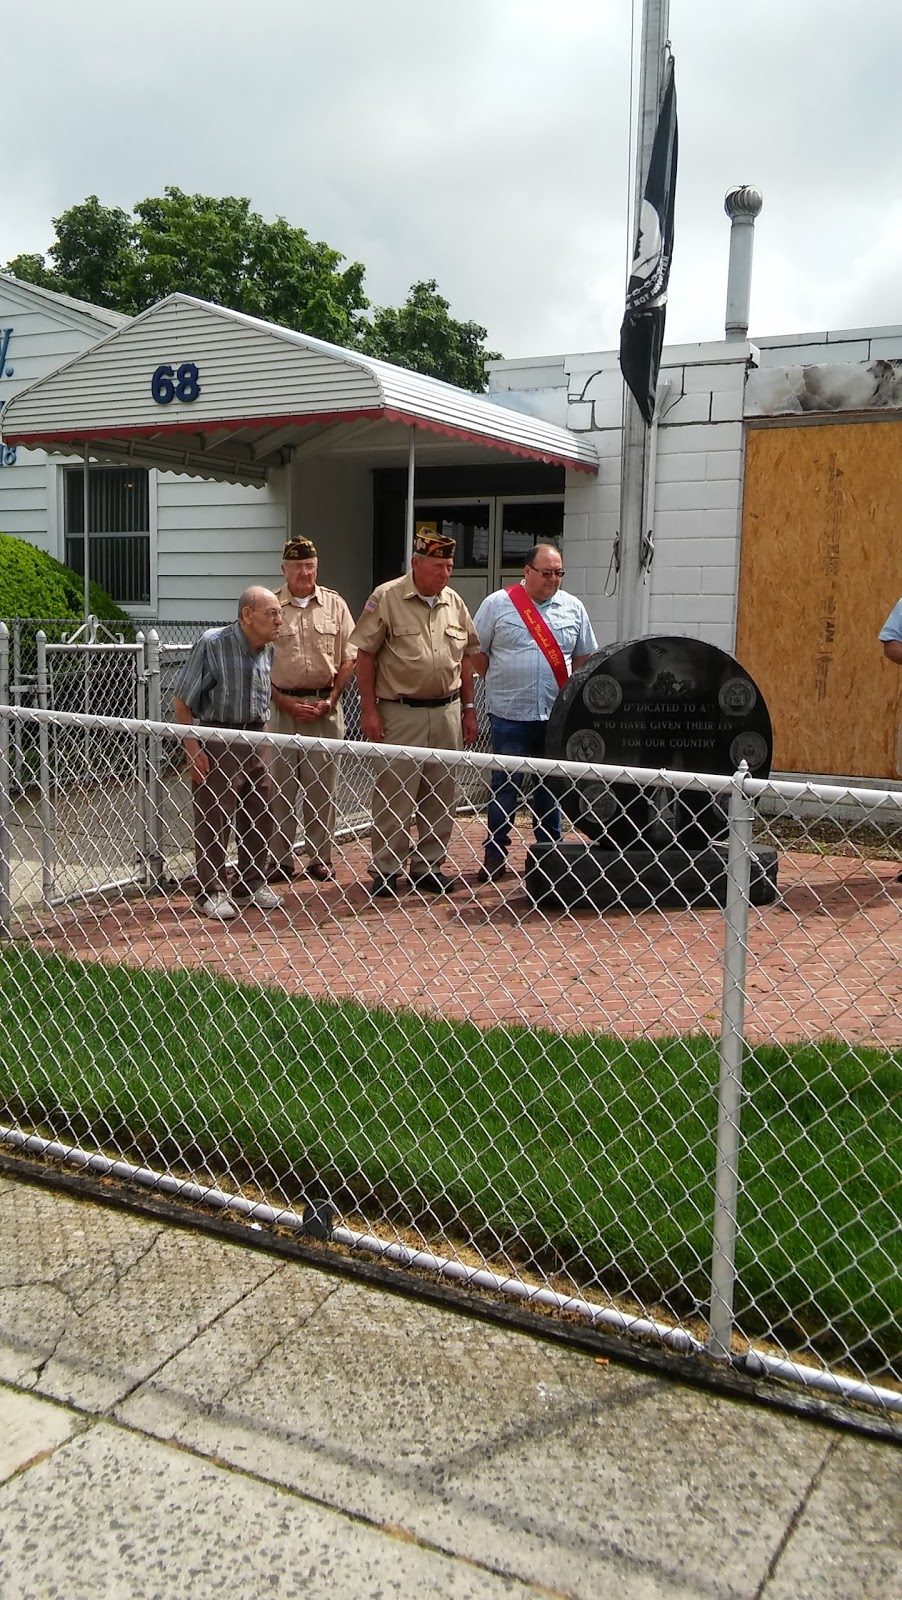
x=169 y=383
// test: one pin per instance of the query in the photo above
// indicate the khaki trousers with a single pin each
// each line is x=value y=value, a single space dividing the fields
x=235 y=791
x=310 y=774
x=411 y=793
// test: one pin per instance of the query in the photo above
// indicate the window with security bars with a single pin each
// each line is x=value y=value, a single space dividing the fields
x=119 y=513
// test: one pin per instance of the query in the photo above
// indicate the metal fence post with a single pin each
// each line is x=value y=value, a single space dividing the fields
x=18 y=757
x=155 y=763
x=140 y=711
x=732 y=1046
x=48 y=848
x=6 y=909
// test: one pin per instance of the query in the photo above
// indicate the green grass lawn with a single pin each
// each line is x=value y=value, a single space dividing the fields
x=583 y=1154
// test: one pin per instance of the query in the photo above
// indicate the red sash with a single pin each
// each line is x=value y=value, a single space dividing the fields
x=540 y=631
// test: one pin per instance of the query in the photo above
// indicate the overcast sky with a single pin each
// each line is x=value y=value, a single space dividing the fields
x=483 y=143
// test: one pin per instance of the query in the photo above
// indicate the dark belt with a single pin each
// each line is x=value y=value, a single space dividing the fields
x=441 y=700
x=306 y=694
x=246 y=727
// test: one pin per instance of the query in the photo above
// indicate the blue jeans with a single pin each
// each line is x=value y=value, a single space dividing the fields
x=509 y=789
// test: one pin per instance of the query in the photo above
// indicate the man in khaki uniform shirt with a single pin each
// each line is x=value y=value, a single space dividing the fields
x=415 y=645
x=312 y=663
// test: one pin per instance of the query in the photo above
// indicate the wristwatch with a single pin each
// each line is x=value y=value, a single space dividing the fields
x=468 y=705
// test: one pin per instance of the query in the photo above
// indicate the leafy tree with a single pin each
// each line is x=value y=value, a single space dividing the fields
x=221 y=250
x=424 y=336
x=32 y=584
x=90 y=256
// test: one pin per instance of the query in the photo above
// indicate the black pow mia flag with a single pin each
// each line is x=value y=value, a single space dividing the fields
x=642 y=332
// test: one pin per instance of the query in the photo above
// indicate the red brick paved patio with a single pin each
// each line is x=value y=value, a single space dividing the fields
x=824 y=960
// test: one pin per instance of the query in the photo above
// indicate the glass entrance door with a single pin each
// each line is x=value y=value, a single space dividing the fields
x=493 y=535
x=471 y=523
x=523 y=522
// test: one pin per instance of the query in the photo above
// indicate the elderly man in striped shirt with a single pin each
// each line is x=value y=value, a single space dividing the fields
x=225 y=683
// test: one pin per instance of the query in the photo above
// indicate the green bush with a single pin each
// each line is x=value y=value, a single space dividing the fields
x=32 y=584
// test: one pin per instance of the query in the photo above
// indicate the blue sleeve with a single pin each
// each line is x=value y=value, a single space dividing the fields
x=892 y=627
x=484 y=623
x=587 y=643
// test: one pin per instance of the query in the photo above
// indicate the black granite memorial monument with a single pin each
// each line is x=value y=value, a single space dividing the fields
x=659 y=703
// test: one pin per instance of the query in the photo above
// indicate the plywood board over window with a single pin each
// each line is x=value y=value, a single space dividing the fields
x=821 y=567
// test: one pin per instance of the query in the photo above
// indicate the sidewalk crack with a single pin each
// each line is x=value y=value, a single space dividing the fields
x=196 y=1333
x=281 y=1339
x=795 y=1519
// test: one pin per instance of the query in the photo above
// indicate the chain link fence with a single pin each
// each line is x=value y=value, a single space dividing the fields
x=656 y=1089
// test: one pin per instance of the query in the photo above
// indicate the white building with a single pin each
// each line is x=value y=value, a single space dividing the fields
x=776 y=472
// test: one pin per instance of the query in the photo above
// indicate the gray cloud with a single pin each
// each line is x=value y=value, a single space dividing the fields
x=484 y=144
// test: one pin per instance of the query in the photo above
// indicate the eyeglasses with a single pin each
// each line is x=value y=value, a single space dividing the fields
x=547 y=572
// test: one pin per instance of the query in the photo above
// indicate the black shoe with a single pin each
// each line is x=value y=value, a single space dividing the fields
x=437 y=883
x=492 y=871
x=385 y=888
x=282 y=872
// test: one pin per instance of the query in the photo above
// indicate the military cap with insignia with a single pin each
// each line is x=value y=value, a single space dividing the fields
x=426 y=542
x=299 y=550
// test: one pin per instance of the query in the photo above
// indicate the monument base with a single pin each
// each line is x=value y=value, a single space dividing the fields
x=577 y=875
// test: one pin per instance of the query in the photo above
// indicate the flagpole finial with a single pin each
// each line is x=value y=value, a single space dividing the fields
x=743 y=201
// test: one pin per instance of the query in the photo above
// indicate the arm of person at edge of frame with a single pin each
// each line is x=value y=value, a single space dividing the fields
x=892 y=649
x=371 y=724
x=198 y=760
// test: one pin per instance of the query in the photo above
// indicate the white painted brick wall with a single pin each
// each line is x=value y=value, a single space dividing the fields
x=576 y=526
x=810 y=355
x=683 y=469
x=715 y=436
x=607 y=444
x=681 y=580
x=723 y=464
x=709 y=495
x=694 y=547
x=598 y=385
x=582 y=496
x=702 y=608
x=719 y=580
x=549 y=404
x=697 y=494
x=579 y=416
x=607 y=413
x=726 y=406
x=711 y=379
x=887 y=349
x=686 y=408
x=607 y=498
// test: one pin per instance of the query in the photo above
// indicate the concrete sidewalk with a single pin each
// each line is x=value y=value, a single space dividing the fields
x=182 y=1418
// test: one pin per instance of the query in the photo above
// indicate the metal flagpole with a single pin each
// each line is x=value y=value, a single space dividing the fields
x=635 y=441
x=408 y=520
x=87 y=541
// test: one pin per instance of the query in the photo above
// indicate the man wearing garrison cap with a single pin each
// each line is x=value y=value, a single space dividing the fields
x=312 y=663
x=415 y=645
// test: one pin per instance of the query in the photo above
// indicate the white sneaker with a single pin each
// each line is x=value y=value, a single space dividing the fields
x=264 y=899
x=219 y=907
